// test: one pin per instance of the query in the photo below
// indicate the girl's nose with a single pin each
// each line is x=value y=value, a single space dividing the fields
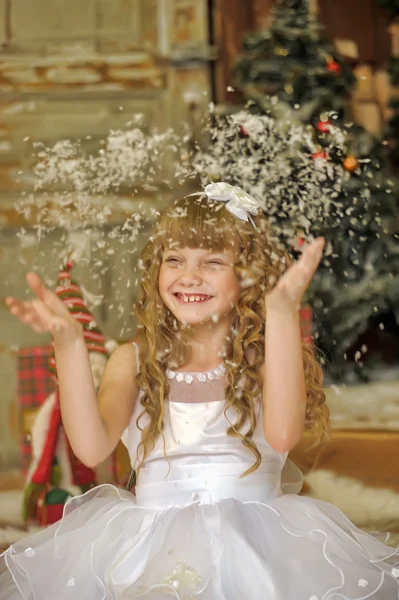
x=190 y=276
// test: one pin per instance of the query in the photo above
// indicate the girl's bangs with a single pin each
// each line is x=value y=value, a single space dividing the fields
x=198 y=224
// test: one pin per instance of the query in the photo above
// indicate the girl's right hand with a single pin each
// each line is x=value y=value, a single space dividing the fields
x=46 y=313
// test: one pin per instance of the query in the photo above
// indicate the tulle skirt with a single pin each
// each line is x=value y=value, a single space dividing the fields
x=107 y=546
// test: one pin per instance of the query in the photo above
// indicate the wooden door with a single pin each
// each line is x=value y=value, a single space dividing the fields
x=361 y=21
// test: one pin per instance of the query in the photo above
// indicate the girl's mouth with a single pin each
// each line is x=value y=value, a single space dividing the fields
x=192 y=298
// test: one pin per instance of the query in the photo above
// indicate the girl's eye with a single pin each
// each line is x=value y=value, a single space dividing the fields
x=214 y=262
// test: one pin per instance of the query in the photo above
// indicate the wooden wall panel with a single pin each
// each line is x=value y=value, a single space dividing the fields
x=231 y=21
x=362 y=21
x=368 y=456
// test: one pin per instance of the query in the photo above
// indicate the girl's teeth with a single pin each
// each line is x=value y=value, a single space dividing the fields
x=194 y=299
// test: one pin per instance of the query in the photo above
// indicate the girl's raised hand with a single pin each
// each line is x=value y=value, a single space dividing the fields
x=46 y=312
x=287 y=295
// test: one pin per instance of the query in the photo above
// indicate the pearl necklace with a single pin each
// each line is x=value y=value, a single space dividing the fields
x=201 y=377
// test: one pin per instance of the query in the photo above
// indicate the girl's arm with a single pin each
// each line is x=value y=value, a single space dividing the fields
x=284 y=389
x=93 y=427
x=284 y=394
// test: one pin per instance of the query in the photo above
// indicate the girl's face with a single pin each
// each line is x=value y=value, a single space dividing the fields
x=198 y=285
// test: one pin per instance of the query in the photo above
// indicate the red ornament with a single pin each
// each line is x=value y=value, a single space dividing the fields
x=333 y=67
x=306 y=324
x=324 y=126
x=320 y=155
x=298 y=244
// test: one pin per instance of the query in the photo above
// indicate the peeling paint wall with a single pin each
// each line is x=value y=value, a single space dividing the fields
x=76 y=70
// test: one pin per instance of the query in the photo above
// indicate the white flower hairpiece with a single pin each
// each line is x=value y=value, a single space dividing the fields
x=239 y=203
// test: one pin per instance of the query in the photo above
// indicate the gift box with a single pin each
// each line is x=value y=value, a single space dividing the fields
x=34 y=386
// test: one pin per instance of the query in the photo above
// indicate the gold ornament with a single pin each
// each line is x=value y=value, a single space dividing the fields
x=351 y=163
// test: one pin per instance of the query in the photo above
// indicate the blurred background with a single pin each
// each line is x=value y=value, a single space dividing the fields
x=77 y=71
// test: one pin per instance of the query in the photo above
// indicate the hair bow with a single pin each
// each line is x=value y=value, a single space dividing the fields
x=239 y=203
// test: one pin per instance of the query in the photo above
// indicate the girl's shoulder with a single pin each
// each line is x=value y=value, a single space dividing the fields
x=125 y=353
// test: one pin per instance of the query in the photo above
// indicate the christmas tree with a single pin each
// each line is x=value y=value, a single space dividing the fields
x=296 y=62
x=356 y=289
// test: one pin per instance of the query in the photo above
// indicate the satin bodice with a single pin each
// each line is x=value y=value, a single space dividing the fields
x=202 y=462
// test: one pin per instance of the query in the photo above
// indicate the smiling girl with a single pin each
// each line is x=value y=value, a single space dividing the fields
x=209 y=400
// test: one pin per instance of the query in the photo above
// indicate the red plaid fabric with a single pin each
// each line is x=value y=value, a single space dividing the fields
x=34 y=386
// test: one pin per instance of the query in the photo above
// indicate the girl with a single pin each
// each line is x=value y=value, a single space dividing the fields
x=209 y=401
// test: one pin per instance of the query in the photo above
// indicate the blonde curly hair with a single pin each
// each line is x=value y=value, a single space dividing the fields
x=197 y=222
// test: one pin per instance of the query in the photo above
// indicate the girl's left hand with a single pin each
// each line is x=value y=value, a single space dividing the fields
x=287 y=295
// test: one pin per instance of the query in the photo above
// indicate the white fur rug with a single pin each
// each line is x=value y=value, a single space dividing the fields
x=371 y=509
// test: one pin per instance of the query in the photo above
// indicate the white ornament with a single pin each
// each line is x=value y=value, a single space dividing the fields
x=239 y=203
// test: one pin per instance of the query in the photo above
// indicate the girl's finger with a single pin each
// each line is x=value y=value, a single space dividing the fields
x=297 y=278
x=45 y=315
x=25 y=312
x=49 y=298
x=310 y=259
x=314 y=250
x=31 y=317
x=51 y=322
x=18 y=309
x=32 y=320
x=12 y=302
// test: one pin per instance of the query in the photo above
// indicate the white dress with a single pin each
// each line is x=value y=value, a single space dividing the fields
x=195 y=530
